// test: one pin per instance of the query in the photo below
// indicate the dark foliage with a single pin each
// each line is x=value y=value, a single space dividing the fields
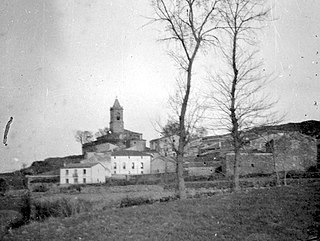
x=40 y=188
x=3 y=187
x=61 y=207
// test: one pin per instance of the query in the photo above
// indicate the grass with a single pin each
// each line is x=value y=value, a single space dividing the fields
x=278 y=213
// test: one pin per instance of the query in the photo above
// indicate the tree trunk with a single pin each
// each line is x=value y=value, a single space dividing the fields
x=275 y=168
x=181 y=184
x=236 y=170
x=285 y=177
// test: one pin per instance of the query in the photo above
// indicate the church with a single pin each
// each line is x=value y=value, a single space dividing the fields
x=119 y=152
x=118 y=137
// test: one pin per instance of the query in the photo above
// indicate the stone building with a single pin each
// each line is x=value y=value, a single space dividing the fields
x=166 y=145
x=118 y=137
x=161 y=164
x=277 y=151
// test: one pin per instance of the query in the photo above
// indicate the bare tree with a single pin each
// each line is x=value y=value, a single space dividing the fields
x=187 y=23
x=83 y=137
x=102 y=132
x=237 y=94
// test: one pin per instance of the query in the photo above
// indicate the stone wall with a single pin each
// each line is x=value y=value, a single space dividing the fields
x=250 y=163
x=295 y=152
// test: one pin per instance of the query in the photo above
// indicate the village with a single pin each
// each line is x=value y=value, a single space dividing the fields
x=123 y=153
x=160 y=120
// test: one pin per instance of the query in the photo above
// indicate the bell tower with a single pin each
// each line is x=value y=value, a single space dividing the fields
x=116 y=118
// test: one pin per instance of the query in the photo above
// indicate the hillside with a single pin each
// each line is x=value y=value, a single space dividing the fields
x=50 y=164
x=310 y=128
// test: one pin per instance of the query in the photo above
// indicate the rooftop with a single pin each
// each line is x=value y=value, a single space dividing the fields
x=129 y=153
x=81 y=165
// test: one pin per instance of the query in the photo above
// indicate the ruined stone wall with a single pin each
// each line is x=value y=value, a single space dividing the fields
x=250 y=163
x=295 y=152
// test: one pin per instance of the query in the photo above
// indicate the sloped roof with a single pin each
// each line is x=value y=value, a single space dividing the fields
x=164 y=159
x=81 y=165
x=116 y=104
x=129 y=153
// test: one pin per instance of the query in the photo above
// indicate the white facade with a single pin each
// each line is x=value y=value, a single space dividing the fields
x=81 y=173
x=130 y=164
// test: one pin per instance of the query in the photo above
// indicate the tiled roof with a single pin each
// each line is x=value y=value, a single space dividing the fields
x=129 y=153
x=81 y=165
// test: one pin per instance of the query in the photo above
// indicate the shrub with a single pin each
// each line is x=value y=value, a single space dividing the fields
x=313 y=169
x=72 y=188
x=62 y=207
x=4 y=187
x=7 y=220
x=40 y=188
x=134 y=201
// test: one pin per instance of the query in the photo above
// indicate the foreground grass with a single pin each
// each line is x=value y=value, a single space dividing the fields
x=280 y=213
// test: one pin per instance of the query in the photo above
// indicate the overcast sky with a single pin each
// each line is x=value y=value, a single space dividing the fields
x=63 y=62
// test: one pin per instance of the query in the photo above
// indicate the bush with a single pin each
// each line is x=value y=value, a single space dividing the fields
x=133 y=201
x=46 y=180
x=72 y=188
x=4 y=187
x=40 y=188
x=61 y=207
x=313 y=169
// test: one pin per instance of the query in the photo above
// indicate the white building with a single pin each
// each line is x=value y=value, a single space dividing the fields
x=128 y=162
x=81 y=173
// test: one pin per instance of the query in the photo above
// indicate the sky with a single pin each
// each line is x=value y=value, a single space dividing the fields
x=63 y=63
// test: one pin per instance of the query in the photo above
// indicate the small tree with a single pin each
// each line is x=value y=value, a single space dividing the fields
x=102 y=132
x=84 y=137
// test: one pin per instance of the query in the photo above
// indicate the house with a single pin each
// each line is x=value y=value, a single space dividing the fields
x=161 y=164
x=166 y=145
x=81 y=173
x=203 y=165
x=276 y=151
x=129 y=162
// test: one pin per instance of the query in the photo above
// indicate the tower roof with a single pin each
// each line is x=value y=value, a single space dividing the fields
x=116 y=104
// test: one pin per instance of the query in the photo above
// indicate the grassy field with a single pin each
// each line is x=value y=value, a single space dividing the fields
x=278 y=213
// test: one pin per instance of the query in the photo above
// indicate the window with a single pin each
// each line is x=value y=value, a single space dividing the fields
x=129 y=157
x=141 y=165
x=67 y=172
x=124 y=165
x=132 y=165
x=114 y=157
x=114 y=165
x=84 y=171
x=84 y=180
x=141 y=172
x=118 y=117
x=67 y=180
x=76 y=180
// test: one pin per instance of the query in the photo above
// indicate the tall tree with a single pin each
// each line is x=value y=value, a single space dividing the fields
x=187 y=23
x=237 y=93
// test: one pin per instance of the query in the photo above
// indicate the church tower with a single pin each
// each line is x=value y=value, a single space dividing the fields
x=116 y=118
